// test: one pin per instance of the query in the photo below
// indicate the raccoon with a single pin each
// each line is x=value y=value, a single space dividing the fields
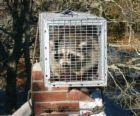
x=74 y=56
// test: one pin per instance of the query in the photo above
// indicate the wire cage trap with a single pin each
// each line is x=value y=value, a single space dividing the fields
x=73 y=49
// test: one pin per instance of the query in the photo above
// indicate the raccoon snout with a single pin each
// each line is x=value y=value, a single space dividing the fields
x=65 y=65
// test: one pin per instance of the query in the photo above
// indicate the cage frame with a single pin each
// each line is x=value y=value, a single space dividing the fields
x=45 y=20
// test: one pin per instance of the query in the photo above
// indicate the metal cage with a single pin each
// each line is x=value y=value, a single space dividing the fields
x=73 y=49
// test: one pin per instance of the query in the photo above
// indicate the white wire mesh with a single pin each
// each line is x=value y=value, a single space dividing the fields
x=74 y=50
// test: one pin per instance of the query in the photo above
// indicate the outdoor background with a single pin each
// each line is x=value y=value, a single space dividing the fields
x=18 y=31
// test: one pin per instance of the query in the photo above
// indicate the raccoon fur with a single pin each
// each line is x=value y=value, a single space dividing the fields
x=74 y=56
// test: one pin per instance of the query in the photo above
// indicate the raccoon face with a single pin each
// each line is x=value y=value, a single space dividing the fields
x=72 y=56
x=69 y=58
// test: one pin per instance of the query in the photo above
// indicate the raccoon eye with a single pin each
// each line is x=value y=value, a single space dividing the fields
x=86 y=48
x=58 y=56
x=73 y=57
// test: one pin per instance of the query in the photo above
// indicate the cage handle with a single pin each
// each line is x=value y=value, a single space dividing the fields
x=69 y=12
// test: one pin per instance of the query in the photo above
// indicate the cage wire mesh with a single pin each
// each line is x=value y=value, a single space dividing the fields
x=76 y=54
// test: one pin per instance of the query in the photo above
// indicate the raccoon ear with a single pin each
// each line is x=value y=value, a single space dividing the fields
x=82 y=45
